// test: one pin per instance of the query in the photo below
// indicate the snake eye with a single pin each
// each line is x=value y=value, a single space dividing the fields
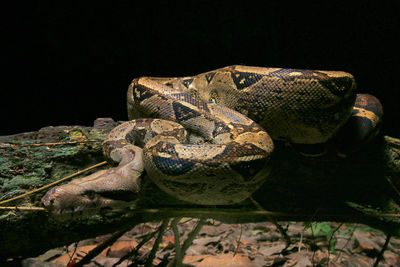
x=90 y=194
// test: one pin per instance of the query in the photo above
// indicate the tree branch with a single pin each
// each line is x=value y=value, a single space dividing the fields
x=362 y=188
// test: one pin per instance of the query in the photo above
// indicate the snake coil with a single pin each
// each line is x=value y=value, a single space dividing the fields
x=207 y=139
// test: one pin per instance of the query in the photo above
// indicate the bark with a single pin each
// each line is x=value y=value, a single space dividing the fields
x=362 y=188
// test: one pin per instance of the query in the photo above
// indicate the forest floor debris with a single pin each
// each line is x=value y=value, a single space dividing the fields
x=236 y=245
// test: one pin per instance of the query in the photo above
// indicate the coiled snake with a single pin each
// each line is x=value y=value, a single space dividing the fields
x=231 y=116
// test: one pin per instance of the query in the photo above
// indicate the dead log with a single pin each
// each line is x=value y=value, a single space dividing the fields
x=362 y=188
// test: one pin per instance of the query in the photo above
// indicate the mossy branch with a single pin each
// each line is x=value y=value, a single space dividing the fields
x=362 y=188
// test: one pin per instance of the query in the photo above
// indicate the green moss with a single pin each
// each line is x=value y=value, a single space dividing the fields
x=65 y=152
x=24 y=182
x=97 y=135
x=24 y=168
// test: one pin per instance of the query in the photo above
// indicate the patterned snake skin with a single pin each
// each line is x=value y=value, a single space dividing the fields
x=208 y=138
x=295 y=105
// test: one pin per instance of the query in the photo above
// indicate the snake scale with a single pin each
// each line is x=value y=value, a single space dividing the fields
x=207 y=139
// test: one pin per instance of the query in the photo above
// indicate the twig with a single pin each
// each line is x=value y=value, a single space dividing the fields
x=146 y=237
x=23 y=208
x=192 y=235
x=277 y=225
x=97 y=250
x=239 y=240
x=178 y=251
x=330 y=240
x=52 y=184
x=232 y=212
x=15 y=146
x=333 y=233
x=210 y=213
x=314 y=243
x=154 y=249
x=71 y=258
x=345 y=245
x=380 y=255
x=300 y=241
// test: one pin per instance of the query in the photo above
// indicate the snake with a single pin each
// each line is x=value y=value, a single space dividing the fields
x=209 y=139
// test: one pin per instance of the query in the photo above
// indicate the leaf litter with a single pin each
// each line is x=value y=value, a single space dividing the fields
x=237 y=245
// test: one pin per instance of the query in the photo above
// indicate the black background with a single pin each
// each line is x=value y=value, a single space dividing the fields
x=67 y=63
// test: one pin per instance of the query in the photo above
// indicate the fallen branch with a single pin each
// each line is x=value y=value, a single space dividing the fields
x=362 y=189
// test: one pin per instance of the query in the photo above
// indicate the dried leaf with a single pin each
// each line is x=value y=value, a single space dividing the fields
x=268 y=251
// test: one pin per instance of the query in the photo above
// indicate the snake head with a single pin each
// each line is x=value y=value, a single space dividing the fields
x=109 y=189
x=73 y=200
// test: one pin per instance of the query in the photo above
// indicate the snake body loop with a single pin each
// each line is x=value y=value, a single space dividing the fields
x=207 y=139
x=226 y=108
